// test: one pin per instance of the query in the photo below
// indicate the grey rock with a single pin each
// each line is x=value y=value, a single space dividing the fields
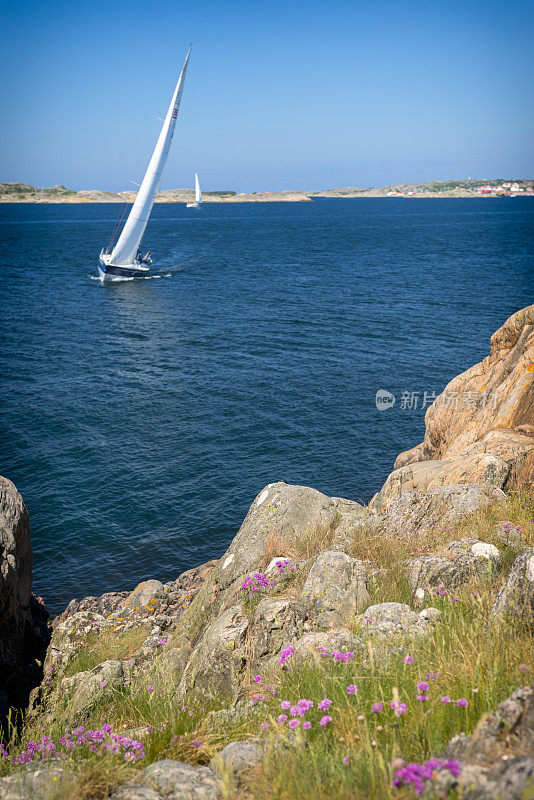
x=515 y=600
x=68 y=637
x=483 y=469
x=335 y=589
x=350 y=518
x=240 y=711
x=145 y=600
x=15 y=577
x=282 y=519
x=388 y=619
x=430 y=614
x=309 y=646
x=273 y=626
x=216 y=662
x=418 y=510
x=40 y=784
x=87 y=687
x=462 y=561
x=171 y=780
x=486 y=773
x=236 y=759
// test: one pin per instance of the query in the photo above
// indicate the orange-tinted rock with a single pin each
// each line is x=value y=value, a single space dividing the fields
x=481 y=428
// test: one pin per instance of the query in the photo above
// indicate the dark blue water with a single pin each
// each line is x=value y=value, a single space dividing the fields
x=140 y=419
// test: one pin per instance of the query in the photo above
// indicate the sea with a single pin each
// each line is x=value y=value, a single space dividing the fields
x=139 y=419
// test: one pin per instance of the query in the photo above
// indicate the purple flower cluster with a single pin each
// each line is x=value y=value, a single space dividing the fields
x=299 y=709
x=256 y=583
x=399 y=708
x=337 y=655
x=78 y=741
x=417 y=774
x=286 y=653
x=284 y=566
x=441 y=591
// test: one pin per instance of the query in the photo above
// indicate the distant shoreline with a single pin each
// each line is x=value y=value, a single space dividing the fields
x=26 y=193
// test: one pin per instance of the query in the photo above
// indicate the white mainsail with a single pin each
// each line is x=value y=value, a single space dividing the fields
x=126 y=248
x=198 y=196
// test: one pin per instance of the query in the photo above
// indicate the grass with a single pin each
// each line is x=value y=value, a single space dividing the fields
x=105 y=645
x=473 y=661
x=468 y=656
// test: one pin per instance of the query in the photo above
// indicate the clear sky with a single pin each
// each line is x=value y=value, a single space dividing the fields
x=294 y=94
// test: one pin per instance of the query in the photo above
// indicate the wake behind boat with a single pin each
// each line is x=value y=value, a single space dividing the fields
x=125 y=260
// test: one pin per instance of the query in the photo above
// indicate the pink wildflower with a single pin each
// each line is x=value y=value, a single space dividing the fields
x=352 y=689
x=399 y=708
x=325 y=704
x=324 y=721
x=376 y=708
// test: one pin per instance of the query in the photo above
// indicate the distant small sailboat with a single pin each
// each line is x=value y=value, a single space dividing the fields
x=198 y=195
x=125 y=260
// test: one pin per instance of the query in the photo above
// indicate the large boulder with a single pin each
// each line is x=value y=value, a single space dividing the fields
x=84 y=689
x=421 y=510
x=460 y=562
x=515 y=600
x=236 y=759
x=484 y=469
x=45 y=783
x=317 y=645
x=386 y=620
x=171 y=780
x=283 y=521
x=215 y=664
x=15 y=577
x=485 y=772
x=481 y=428
x=334 y=591
x=274 y=625
x=24 y=632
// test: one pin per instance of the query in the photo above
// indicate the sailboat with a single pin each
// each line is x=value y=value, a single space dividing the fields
x=124 y=259
x=198 y=196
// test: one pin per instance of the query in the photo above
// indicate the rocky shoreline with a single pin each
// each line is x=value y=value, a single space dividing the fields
x=310 y=586
x=26 y=193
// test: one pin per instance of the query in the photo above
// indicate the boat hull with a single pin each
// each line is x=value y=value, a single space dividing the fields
x=193 y=205
x=108 y=271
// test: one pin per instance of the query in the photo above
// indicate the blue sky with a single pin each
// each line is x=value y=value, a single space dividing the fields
x=278 y=95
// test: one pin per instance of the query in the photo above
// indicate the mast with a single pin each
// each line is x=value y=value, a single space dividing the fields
x=198 y=196
x=126 y=248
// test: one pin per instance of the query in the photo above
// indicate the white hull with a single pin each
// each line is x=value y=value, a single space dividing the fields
x=193 y=205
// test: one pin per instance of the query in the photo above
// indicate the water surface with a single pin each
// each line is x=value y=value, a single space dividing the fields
x=140 y=419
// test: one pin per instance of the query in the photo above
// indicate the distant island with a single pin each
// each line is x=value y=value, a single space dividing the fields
x=25 y=193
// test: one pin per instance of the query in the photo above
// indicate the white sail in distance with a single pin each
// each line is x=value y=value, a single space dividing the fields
x=198 y=196
x=126 y=248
